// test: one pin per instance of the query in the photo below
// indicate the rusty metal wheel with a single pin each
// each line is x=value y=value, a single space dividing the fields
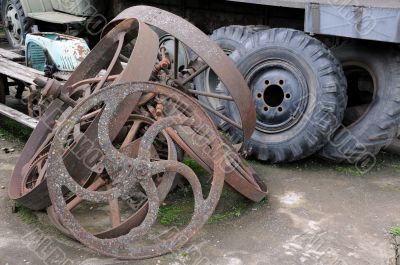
x=127 y=173
x=128 y=144
x=88 y=78
x=208 y=56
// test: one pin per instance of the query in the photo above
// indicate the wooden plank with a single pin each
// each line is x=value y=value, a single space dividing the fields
x=13 y=56
x=19 y=72
x=18 y=116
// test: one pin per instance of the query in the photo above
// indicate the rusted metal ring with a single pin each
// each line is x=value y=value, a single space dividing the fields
x=205 y=48
x=137 y=218
x=139 y=67
x=140 y=171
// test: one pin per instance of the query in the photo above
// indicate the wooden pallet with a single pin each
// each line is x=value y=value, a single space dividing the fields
x=12 y=67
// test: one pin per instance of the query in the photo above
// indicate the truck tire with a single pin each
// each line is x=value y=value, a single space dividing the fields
x=374 y=124
x=299 y=91
x=16 y=24
x=230 y=39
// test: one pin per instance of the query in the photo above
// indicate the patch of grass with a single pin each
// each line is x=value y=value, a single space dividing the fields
x=395 y=230
x=176 y=214
x=260 y=204
x=349 y=170
x=26 y=215
x=229 y=214
x=179 y=208
x=14 y=132
x=197 y=168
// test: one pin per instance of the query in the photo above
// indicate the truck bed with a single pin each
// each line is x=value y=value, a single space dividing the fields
x=303 y=3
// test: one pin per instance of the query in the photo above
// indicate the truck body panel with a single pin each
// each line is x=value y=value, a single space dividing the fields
x=44 y=10
x=303 y=3
x=368 y=20
x=56 y=17
x=378 y=24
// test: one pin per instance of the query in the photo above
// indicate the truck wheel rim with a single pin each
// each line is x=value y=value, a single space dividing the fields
x=280 y=94
x=13 y=23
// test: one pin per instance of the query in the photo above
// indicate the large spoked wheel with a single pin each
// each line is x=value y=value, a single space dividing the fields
x=82 y=83
x=16 y=23
x=121 y=219
x=127 y=174
x=371 y=120
x=207 y=54
x=298 y=91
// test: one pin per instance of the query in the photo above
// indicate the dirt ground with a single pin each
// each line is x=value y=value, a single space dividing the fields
x=316 y=213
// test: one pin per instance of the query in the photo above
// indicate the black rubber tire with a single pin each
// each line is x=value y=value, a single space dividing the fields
x=26 y=22
x=362 y=140
x=325 y=98
x=230 y=39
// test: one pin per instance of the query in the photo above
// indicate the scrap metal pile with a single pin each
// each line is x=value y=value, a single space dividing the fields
x=112 y=137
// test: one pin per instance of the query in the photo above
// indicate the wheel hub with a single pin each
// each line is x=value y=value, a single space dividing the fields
x=13 y=24
x=280 y=94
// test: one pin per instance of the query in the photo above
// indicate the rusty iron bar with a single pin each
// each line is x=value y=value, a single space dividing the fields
x=195 y=74
x=211 y=95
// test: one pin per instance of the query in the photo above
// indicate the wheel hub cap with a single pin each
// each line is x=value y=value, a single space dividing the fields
x=13 y=24
x=280 y=95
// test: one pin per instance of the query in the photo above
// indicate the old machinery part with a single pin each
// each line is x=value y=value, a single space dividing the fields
x=103 y=56
x=129 y=144
x=210 y=55
x=55 y=52
x=127 y=173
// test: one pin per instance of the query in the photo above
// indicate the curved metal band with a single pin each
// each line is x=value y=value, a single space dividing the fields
x=204 y=47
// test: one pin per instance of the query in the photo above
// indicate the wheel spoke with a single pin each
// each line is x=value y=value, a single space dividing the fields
x=228 y=120
x=99 y=183
x=131 y=134
x=211 y=95
x=42 y=173
x=121 y=40
x=167 y=166
x=195 y=74
x=115 y=211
